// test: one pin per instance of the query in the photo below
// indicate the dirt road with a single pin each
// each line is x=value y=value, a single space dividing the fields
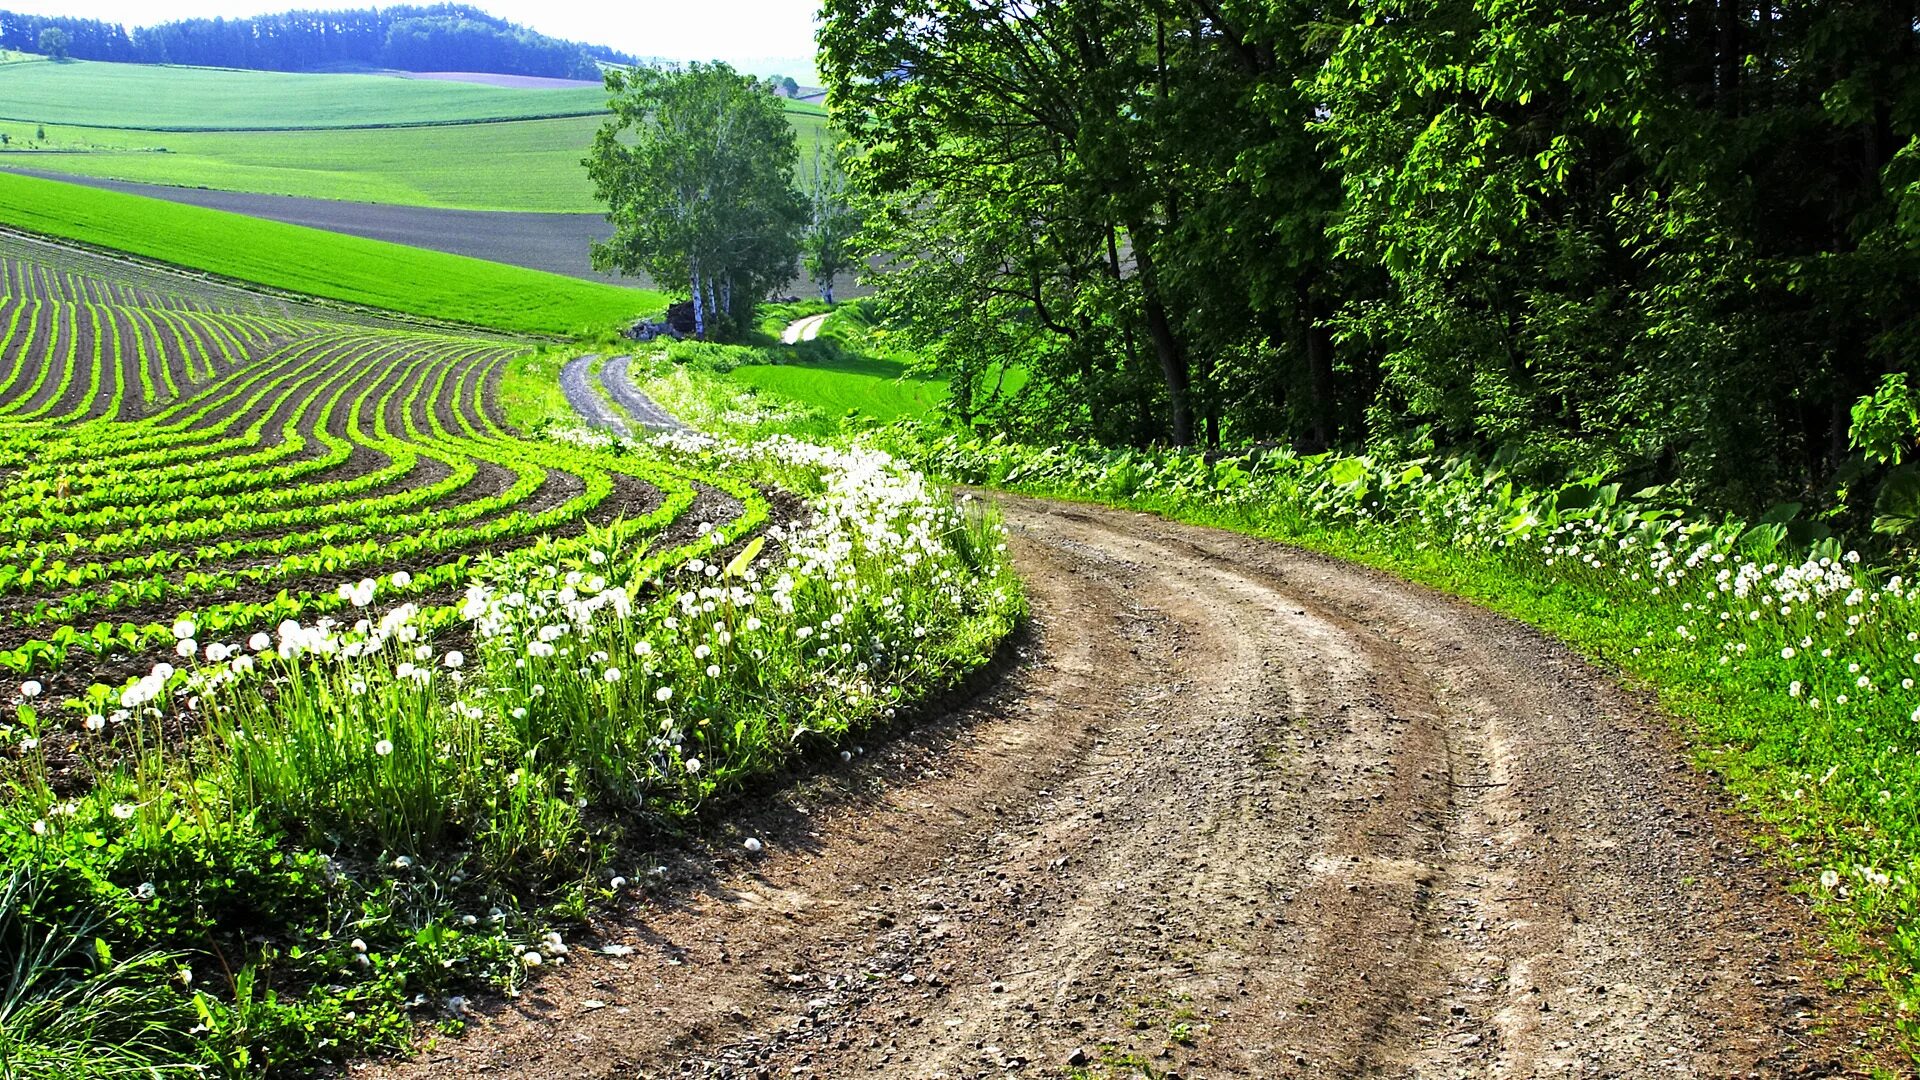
x=1240 y=812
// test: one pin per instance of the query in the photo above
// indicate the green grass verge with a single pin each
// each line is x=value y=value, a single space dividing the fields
x=162 y=96
x=522 y=165
x=393 y=277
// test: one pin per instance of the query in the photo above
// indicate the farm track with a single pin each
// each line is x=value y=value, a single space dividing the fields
x=1241 y=811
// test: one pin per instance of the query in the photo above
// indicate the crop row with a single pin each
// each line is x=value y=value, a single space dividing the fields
x=168 y=454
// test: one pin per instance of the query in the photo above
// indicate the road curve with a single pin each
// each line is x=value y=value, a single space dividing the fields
x=1240 y=811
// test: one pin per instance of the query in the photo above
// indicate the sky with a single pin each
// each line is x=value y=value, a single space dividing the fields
x=761 y=35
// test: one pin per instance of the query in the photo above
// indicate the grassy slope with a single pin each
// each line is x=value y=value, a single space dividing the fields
x=162 y=96
x=837 y=385
x=526 y=165
x=404 y=279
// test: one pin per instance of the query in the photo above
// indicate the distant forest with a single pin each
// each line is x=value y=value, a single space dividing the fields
x=440 y=37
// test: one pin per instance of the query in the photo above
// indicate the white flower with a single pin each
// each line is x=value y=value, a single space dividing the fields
x=754 y=845
x=693 y=766
x=665 y=693
x=456 y=659
x=186 y=648
x=1829 y=880
x=30 y=689
x=96 y=722
x=383 y=747
x=260 y=642
x=713 y=671
x=122 y=811
x=531 y=958
x=184 y=629
x=617 y=884
x=1786 y=653
x=143 y=891
x=401 y=579
x=611 y=675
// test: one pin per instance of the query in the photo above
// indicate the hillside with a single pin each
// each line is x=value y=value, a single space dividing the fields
x=359 y=138
x=349 y=269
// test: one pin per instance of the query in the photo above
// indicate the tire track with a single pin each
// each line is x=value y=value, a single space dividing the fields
x=1244 y=812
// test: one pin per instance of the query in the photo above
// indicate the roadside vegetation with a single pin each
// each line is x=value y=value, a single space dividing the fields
x=344 y=677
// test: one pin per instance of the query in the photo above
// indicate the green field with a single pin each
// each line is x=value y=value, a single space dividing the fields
x=840 y=385
x=316 y=136
x=410 y=280
x=164 y=97
x=527 y=165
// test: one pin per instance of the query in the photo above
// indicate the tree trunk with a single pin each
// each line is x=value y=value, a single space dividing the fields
x=1319 y=350
x=699 y=303
x=1166 y=344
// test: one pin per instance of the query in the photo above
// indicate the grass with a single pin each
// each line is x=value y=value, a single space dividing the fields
x=843 y=385
x=522 y=165
x=392 y=277
x=165 y=97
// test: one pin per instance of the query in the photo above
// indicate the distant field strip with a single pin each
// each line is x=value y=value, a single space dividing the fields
x=172 y=447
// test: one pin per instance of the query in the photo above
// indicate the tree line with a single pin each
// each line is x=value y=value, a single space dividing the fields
x=440 y=37
x=1677 y=240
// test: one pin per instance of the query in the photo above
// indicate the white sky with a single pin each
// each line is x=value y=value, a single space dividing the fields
x=748 y=33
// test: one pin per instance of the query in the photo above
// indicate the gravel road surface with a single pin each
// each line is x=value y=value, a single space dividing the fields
x=1240 y=811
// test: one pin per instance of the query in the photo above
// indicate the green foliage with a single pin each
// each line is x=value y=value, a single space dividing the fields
x=53 y=43
x=696 y=168
x=331 y=265
x=1672 y=240
x=831 y=221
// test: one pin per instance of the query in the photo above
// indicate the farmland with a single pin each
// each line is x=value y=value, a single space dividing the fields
x=266 y=137
x=349 y=269
x=155 y=97
x=276 y=594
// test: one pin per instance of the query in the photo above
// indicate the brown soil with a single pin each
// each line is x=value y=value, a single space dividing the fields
x=1241 y=812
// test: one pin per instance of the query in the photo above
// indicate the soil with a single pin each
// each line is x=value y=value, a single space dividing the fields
x=1240 y=811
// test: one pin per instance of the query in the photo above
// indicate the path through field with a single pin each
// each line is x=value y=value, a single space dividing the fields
x=799 y=330
x=1239 y=811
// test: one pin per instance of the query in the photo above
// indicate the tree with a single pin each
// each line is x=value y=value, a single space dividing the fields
x=696 y=167
x=54 y=42
x=831 y=219
x=788 y=86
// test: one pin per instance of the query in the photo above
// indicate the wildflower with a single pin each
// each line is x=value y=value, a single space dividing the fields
x=403 y=862
x=186 y=648
x=693 y=766
x=1786 y=653
x=713 y=671
x=122 y=811
x=1793 y=690
x=456 y=660
x=184 y=629
x=96 y=722
x=30 y=689
x=611 y=675
x=1829 y=880
x=383 y=747
x=260 y=642
x=617 y=883
x=401 y=579
x=663 y=694
x=144 y=891
x=531 y=958
x=754 y=845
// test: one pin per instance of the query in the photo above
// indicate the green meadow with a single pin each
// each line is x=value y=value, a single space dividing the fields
x=165 y=97
x=274 y=133
x=350 y=269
